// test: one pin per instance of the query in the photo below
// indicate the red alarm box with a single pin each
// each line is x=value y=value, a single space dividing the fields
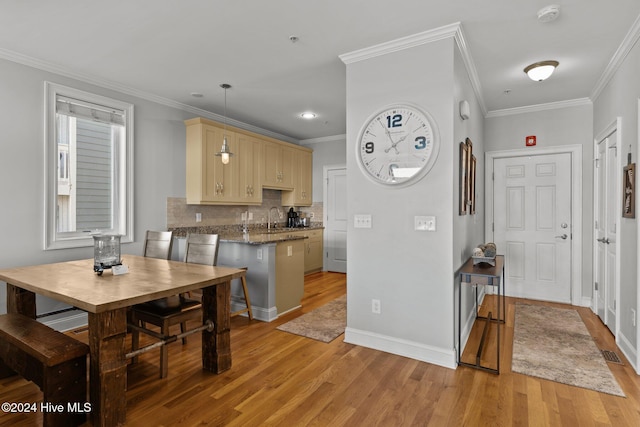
x=530 y=140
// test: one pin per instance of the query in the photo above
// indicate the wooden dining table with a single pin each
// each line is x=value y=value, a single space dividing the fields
x=106 y=298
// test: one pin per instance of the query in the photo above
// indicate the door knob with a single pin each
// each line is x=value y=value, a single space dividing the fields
x=563 y=237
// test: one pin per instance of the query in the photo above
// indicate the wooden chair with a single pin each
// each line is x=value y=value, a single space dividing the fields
x=178 y=309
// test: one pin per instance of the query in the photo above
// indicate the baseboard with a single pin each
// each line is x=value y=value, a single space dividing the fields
x=413 y=350
x=67 y=323
x=628 y=350
x=259 y=313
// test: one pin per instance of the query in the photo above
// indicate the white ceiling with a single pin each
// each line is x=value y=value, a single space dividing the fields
x=165 y=49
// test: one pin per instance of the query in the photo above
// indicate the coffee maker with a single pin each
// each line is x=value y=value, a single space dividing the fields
x=292 y=218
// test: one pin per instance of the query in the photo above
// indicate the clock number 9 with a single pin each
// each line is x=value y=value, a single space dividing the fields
x=395 y=121
x=421 y=143
x=368 y=147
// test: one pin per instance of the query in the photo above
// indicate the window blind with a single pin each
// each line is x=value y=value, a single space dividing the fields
x=85 y=110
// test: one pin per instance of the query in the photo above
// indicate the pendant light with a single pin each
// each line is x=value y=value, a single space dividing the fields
x=225 y=153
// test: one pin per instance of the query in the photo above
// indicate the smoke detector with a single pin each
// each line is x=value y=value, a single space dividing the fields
x=549 y=13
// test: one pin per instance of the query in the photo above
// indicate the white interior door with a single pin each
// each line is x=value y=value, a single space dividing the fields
x=532 y=224
x=336 y=220
x=605 y=217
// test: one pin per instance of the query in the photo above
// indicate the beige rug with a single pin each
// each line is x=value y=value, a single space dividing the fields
x=324 y=323
x=554 y=344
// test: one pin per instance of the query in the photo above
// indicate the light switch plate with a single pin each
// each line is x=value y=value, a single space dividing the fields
x=425 y=223
x=362 y=221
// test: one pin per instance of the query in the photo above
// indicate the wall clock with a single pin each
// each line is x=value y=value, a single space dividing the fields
x=397 y=145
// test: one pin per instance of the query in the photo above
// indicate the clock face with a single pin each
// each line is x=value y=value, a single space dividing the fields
x=398 y=145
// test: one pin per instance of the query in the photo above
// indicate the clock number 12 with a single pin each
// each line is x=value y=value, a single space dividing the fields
x=394 y=121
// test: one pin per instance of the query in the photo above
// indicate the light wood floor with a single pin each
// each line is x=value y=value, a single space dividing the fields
x=279 y=379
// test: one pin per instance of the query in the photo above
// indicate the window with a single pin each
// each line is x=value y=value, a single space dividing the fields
x=88 y=167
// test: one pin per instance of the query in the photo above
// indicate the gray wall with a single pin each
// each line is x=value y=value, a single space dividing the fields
x=411 y=273
x=159 y=168
x=620 y=98
x=326 y=152
x=555 y=127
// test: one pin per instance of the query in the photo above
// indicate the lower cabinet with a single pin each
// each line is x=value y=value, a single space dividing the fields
x=313 y=249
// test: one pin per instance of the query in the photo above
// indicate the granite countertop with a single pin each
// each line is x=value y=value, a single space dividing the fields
x=257 y=236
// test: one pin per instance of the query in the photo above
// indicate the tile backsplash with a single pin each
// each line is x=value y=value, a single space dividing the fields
x=179 y=214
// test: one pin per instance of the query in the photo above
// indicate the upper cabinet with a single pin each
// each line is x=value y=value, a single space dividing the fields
x=302 y=180
x=278 y=166
x=258 y=162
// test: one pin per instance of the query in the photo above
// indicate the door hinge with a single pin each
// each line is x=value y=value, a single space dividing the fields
x=596 y=285
x=493 y=226
x=596 y=224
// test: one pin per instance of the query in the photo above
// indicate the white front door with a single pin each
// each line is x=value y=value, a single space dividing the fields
x=532 y=224
x=336 y=220
x=605 y=218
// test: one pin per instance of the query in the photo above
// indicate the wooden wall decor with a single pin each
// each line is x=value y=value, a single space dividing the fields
x=629 y=191
x=467 y=178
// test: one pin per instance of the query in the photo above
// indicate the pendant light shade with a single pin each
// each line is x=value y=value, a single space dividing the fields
x=541 y=70
x=225 y=153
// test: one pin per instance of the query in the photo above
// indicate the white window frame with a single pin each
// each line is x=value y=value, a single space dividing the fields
x=122 y=188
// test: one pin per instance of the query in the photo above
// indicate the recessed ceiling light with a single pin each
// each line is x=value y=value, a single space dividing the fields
x=308 y=115
x=197 y=94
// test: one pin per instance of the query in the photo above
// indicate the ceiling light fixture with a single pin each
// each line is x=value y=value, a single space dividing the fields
x=541 y=70
x=225 y=153
x=549 y=13
x=308 y=115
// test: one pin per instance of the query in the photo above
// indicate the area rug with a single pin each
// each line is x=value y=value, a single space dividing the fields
x=554 y=344
x=324 y=323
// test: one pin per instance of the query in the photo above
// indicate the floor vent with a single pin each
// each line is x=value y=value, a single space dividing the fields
x=611 y=356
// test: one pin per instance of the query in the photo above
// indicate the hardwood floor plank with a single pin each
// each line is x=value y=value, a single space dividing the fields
x=280 y=379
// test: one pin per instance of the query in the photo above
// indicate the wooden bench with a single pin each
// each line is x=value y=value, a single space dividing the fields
x=54 y=361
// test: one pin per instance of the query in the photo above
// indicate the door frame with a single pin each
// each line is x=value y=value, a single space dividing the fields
x=614 y=126
x=576 y=206
x=325 y=181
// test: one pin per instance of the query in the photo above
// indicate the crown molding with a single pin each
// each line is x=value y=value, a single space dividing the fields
x=618 y=58
x=467 y=59
x=331 y=138
x=402 y=43
x=108 y=84
x=579 y=102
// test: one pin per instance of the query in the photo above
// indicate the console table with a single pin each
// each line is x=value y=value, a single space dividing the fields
x=493 y=276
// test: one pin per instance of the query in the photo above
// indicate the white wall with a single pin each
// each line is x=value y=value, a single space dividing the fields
x=555 y=127
x=410 y=272
x=159 y=168
x=620 y=99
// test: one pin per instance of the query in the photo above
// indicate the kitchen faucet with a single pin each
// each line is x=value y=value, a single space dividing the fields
x=269 y=223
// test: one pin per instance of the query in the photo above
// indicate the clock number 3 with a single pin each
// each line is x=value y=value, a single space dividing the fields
x=421 y=143
x=394 y=121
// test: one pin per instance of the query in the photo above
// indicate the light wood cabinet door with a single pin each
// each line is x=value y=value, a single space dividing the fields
x=208 y=180
x=301 y=195
x=277 y=166
x=249 y=160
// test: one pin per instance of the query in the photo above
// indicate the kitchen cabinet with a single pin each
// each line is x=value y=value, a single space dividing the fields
x=313 y=248
x=302 y=180
x=249 y=158
x=278 y=166
x=258 y=162
x=208 y=180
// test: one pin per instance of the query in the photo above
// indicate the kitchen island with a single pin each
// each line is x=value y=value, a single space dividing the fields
x=275 y=268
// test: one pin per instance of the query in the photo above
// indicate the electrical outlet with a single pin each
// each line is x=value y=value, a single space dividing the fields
x=289 y=250
x=259 y=254
x=198 y=217
x=375 y=306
